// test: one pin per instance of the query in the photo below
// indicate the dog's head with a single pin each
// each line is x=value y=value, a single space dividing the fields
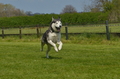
x=56 y=24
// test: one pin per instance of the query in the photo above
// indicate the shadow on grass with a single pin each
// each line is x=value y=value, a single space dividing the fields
x=50 y=57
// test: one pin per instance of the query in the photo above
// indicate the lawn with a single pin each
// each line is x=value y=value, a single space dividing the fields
x=84 y=56
x=23 y=60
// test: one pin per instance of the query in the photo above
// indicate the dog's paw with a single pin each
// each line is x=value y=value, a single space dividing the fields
x=56 y=49
x=47 y=56
x=60 y=47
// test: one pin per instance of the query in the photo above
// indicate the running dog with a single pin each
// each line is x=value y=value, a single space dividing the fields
x=52 y=36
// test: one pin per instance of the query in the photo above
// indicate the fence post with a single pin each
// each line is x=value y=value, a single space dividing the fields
x=66 y=31
x=20 y=33
x=40 y=28
x=37 y=29
x=107 y=31
x=2 y=33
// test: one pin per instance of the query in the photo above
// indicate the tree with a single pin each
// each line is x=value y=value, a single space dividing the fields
x=29 y=13
x=99 y=5
x=1 y=9
x=115 y=11
x=8 y=10
x=69 y=9
x=95 y=6
x=87 y=8
x=18 y=12
x=110 y=6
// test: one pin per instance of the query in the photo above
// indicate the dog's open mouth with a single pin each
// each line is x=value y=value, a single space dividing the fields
x=58 y=28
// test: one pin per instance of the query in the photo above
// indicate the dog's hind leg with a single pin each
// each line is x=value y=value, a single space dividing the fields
x=42 y=45
x=47 y=52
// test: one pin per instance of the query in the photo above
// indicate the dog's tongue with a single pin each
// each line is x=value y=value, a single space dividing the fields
x=58 y=29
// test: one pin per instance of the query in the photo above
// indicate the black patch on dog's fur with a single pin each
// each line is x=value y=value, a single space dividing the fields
x=45 y=35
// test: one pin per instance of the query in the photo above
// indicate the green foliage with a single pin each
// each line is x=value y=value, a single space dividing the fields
x=113 y=7
x=108 y=6
x=45 y=19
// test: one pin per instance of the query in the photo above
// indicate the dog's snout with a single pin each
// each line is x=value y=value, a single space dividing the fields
x=60 y=26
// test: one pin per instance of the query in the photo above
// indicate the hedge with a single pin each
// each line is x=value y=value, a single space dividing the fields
x=45 y=19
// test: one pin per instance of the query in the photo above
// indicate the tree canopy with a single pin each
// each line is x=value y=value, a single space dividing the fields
x=110 y=6
x=69 y=9
x=8 y=10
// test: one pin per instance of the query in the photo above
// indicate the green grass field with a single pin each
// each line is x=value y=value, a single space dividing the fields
x=23 y=60
x=84 y=56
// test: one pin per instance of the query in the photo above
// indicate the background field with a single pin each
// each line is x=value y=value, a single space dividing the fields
x=114 y=28
x=23 y=60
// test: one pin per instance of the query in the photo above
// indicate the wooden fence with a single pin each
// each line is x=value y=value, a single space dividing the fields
x=20 y=32
x=66 y=33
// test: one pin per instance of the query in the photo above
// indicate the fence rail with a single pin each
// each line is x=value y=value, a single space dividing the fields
x=118 y=34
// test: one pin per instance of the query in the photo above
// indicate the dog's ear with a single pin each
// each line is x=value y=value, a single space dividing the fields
x=59 y=18
x=53 y=19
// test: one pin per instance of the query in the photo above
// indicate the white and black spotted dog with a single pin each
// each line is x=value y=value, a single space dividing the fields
x=52 y=36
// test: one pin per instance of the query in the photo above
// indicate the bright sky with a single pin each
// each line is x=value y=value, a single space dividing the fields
x=46 y=6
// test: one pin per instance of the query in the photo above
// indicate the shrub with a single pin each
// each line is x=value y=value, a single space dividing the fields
x=45 y=19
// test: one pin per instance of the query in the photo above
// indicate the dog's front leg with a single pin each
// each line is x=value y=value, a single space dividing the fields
x=60 y=45
x=53 y=44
